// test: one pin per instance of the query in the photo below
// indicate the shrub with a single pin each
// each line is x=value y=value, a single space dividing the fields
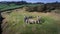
x=39 y=8
x=30 y=9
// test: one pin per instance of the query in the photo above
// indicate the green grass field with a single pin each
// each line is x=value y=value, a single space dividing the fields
x=16 y=25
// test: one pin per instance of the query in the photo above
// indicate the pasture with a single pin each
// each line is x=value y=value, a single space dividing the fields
x=14 y=23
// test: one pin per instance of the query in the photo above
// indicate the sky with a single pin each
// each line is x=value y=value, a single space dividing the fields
x=45 y=1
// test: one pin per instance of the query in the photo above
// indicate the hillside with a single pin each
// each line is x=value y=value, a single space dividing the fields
x=14 y=23
x=12 y=15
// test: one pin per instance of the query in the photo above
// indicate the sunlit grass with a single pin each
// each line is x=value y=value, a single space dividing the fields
x=16 y=24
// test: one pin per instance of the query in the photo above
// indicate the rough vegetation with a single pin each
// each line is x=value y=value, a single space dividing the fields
x=31 y=7
x=39 y=8
x=14 y=24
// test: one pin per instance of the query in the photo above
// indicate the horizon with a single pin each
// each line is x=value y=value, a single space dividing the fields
x=33 y=1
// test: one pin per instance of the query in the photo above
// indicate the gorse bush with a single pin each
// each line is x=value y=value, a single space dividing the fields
x=39 y=8
x=30 y=9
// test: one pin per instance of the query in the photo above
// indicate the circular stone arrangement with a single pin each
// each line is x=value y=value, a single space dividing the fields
x=32 y=20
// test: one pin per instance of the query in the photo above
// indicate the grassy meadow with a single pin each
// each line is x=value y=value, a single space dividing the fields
x=14 y=23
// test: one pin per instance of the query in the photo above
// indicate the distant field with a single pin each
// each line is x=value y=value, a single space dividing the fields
x=16 y=25
x=13 y=6
x=6 y=7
